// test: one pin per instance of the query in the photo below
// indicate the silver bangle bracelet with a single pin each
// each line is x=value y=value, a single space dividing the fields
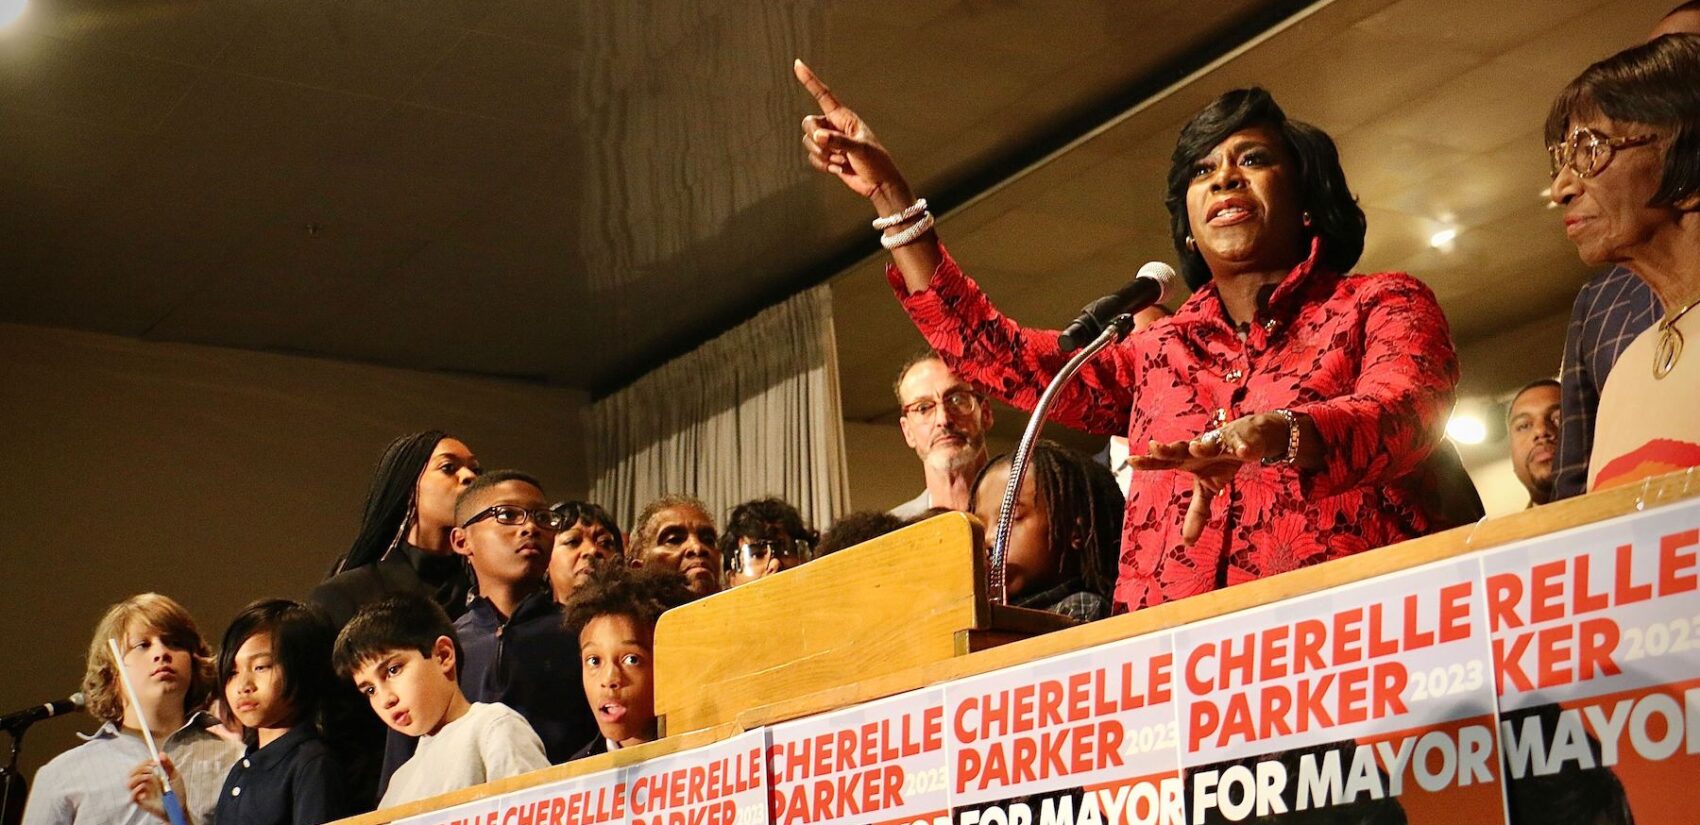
x=1292 y=456
x=902 y=217
x=909 y=235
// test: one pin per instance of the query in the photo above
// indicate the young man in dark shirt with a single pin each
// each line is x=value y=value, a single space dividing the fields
x=515 y=648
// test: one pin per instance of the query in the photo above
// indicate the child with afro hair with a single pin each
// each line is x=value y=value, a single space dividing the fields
x=614 y=615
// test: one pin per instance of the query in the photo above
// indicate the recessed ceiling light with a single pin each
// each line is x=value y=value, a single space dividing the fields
x=11 y=10
x=1465 y=428
x=1443 y=237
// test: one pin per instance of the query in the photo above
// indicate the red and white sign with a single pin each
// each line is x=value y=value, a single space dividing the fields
x=482 y=812
x=592 y=799
x=1085 y=737
x=720 y=784
x=1372 y=695
x=883 y=762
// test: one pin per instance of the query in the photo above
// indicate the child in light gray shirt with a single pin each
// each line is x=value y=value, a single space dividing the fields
x=401 y=654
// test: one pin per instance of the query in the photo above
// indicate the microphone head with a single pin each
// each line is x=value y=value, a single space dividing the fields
x=79 y=700
x=1163 y=274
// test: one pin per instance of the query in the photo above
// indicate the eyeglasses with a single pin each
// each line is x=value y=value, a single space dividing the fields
x=513 y=515
x=1587 y=151
x=753 y=553
x=956 y=402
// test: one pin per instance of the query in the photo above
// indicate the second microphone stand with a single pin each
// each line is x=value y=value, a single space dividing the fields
x=1114 y=331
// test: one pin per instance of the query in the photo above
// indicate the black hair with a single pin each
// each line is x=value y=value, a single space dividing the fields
x=410 y=621
x=1652 y=84
x=1085 y=508
x=1322 y=190
x=1538 y=382
x=640 y=594
x=469 y=496
x=1691 y=5
x=584 y=512
x=762 y=519
x=855 y=528
x=1572 y=796
x=302 y=639
x=390 y=505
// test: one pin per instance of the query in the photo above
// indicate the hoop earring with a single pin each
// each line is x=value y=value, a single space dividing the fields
x=1191 y=245
x=407 y=522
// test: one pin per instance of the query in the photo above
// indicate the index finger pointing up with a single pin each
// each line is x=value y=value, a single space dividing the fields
x=823 y=95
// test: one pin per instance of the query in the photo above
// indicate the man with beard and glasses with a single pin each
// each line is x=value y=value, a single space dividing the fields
x=944 y=420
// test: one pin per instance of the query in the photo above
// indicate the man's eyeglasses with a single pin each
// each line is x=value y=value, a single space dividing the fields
x=956 y=402
x=753 y=553
x=1588 y=152
x=513 y=515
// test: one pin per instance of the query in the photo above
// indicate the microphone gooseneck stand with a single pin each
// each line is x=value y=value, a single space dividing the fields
x=13 y=789
x=1117 y=329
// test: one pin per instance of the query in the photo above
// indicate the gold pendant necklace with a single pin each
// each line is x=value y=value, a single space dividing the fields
x=1669 y=346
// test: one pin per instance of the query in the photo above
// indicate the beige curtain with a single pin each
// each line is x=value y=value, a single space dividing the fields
x=752 y=413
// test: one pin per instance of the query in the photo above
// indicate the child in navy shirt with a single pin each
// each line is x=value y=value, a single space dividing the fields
x=515 y=646
x=274 y=672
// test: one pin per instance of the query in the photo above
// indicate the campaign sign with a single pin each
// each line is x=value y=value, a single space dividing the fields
x=1082 y=739
x=1372 y=701
x=1596 y=639
x=482 y=812
x=883 y=762
x=720 y=784
x=592 y=799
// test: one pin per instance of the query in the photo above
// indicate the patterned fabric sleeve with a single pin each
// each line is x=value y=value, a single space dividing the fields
x=1395 y=415
x=1005 y=360
x=1577 y=403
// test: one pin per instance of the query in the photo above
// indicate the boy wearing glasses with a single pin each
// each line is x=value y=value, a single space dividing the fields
x=401 y=655
x=515 y=648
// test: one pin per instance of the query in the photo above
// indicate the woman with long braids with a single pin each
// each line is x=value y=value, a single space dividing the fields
x=403 y=543
x=402 y=547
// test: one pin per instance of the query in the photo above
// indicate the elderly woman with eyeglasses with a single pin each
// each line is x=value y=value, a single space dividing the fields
x=1287 y=412
x=1624 y=137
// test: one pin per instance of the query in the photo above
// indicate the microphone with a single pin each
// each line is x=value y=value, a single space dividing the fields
x=1150 y=286
x=29 y=716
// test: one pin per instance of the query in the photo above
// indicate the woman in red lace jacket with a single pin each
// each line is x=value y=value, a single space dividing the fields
x=1287 y=410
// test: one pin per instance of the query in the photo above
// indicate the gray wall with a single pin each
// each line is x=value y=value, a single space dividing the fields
x=213 y=475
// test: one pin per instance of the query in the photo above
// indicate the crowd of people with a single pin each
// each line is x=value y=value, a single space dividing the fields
x=1289 y=412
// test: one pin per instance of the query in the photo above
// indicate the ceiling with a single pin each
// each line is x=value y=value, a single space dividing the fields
x=1437 y=106
x=573 y=192
x=505 y=187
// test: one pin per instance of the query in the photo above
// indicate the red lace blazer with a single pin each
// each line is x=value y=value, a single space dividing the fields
x=1368 y=357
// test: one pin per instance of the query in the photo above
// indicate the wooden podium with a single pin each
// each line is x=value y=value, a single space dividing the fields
x=905 y=612
x=907 y=599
